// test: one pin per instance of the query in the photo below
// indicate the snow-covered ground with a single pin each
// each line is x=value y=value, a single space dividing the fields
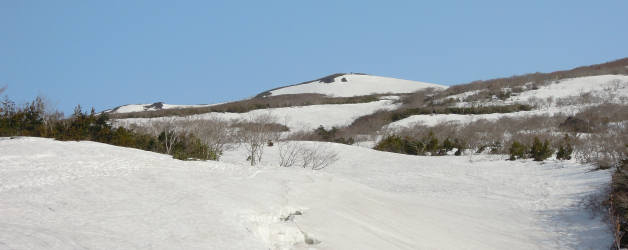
x=86 y=195
x=296 y=118
x=357 y=84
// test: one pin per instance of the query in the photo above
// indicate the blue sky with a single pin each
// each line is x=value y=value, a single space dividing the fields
x=108 y=53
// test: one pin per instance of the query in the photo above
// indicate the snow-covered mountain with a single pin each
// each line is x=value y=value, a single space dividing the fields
x=60 y=195
x=545 y=99
x=345 y=85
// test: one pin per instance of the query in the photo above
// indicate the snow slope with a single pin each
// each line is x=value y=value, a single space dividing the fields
x=71 y=195
x=357 y=84
x=605 y=86
x=296 y=118
x=609 y=88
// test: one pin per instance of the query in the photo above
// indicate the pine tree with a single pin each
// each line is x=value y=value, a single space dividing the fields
x=564 y=149
x=517 y=151
x=540 y=151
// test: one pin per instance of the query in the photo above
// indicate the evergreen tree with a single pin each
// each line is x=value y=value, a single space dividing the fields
x=540 y=151
x=564 y=149
x=517 y=151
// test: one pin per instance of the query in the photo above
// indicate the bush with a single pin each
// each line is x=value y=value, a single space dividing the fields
x=564 y=150
x=448 y=145
x=540 y=151
x=576 y=125
x=619 y=205
x=431 y=144
x=392 y=143
x=191 y=148
x=331 y=136
x=517 y=151
x=315 y=158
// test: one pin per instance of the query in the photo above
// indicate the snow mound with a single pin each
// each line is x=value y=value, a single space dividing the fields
x=67 y=195
x=347 y=85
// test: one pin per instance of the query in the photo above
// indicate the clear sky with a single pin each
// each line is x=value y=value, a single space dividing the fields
x=108 y=53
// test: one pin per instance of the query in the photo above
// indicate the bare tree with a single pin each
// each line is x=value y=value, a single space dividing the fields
x=168 y=134
x=2 y=89
x=254 y=133
x=215 y=133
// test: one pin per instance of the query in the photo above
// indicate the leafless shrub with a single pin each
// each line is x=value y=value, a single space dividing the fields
x=289 y=153
x=215 y=133
x=317 y=157
x=313 y=157
x=604 y=150
x=419 y=98
x=168 y=131
x=366 y=125
x=254 y=134
x=568 y=101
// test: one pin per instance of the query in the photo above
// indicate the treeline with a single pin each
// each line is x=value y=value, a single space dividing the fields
x=31 y=119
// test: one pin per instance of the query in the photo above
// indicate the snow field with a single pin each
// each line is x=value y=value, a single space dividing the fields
x=70 y=195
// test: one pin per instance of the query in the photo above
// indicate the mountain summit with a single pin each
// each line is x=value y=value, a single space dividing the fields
x=352 y=84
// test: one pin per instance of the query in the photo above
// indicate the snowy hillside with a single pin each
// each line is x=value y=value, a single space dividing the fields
x=68 y=195
x=346 y=85
x=567 y=96
x=296 y=118
x=609 y=87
